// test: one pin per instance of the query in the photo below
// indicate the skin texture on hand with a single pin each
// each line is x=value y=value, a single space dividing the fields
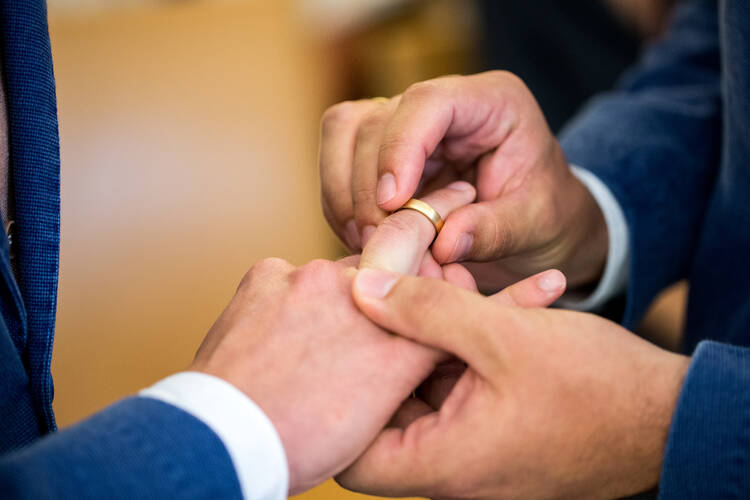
x=329 y=379
x=554 y=404
x=531 y=212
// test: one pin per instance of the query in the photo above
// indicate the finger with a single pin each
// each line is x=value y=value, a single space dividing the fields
x=466 y=114
x=458 y=275
x=485 y=231
x=435 y=390
x=409 y=411
x=435 y=313
x=416 y=460
x=417 y=127
x=401 y=240
x=338 y=131
x=393 y=466
x=350 y=261
x=491 y=277
x=540 y=290
x=429 y=268
x=367 y=214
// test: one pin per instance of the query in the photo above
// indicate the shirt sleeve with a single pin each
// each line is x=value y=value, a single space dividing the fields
x=249 y=436
x=655 y=141
x=614 y=278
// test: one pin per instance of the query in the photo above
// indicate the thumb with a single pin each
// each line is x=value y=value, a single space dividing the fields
x=484 y=231
x=431 y=312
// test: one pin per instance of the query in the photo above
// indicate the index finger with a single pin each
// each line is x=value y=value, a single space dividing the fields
x=420 y=122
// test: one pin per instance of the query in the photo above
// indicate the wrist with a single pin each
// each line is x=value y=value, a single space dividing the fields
x=675 y=369
x=654 y=421
x=586 y=239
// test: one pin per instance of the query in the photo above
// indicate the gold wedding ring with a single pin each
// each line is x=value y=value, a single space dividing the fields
x=426 y=210
x=380 y=100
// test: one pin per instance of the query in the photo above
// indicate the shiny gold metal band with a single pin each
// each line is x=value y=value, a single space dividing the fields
x=426 y=210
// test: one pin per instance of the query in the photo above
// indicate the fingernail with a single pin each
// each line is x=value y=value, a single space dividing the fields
x=551 y=282
x=374 y=283
x=462 y=247
x=367 y=233
x=460 y=186
x=386 y=188
x=352 y=235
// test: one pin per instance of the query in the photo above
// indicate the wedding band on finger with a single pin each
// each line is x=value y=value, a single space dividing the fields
x=426 y=210
x=380 y=100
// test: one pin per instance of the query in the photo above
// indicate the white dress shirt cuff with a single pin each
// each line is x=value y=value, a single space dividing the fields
x=614 y=279
x=246 y=432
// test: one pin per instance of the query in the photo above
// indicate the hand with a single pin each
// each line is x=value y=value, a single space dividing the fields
x=327 y=378
x=400 y=244
x=554 y=403
x=532 y=213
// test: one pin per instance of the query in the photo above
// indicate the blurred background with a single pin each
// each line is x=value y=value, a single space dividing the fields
x=189 y=141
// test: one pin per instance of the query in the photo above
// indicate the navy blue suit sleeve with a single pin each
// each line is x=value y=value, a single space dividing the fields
x=655 y=142
x=708 y=449
x=136 y=448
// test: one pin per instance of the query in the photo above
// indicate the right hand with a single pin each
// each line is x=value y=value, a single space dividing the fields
x=532 y=212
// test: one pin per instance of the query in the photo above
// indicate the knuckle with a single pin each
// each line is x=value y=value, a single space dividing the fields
x=274 y=264
x=371 y=124
x=505 y=77
x=264 y=268
x=513 y=79
x=425 y=89
x=342 y=112
x=365 y=208
x=500 y=241
x=314 y=271
x=497 y=235
x=399 y=225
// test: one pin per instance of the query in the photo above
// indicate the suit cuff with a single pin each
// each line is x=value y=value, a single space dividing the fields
x=614 y=279
x=248 y=435
x=708 y=448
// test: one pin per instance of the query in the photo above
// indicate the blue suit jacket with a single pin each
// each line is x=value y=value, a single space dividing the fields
x=138 y=447
x=673 y=145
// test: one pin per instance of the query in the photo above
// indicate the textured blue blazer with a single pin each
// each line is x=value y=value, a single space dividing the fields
x=137 y=448
x=673 y=145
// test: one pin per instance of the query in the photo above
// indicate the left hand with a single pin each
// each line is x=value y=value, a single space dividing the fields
x=554 y=403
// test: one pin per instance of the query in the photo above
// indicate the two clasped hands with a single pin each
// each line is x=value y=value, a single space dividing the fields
x=513 y=400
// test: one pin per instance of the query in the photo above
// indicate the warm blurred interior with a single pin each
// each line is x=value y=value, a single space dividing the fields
x=189 y=137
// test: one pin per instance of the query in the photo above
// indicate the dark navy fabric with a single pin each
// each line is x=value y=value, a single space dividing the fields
x=35 y=183
x=708 y=453
x=137 y=448
x=673 y=145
